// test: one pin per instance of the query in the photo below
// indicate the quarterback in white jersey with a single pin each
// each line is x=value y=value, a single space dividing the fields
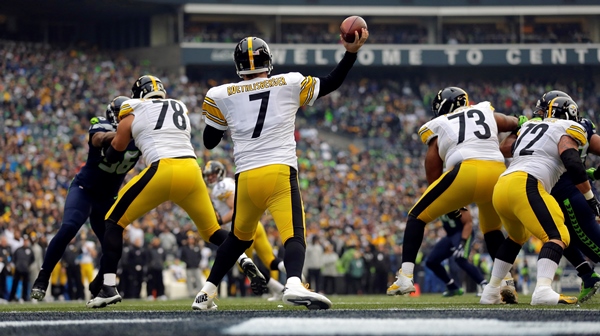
x=542 y=151
x=464 y=139
x=161 y=129
x=260 y=112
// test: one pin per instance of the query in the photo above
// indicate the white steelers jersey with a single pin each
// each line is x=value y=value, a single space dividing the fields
x=536 y=149
x=261 y=114
x=219 y=195
x=161 y=128
x=469 y=132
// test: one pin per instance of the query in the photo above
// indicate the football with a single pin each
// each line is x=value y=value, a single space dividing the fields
x=350 y=25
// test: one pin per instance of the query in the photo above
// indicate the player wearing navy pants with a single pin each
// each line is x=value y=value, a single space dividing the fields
x=91 y=194
x=458 y=225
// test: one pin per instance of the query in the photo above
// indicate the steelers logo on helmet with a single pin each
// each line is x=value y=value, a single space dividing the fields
x=448 y=100
x=148 y=86
x=252 y=55
x=563 y=108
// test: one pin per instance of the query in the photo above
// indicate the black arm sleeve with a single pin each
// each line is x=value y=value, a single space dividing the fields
x=575 y=168
x=212 y=137
x=336 y=77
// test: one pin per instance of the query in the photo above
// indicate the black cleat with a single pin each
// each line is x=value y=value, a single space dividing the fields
x=258 y=283
x=108 y=295
x=96 y=285
x=38 y=290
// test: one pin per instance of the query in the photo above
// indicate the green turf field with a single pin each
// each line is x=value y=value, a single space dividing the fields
x=353 y=302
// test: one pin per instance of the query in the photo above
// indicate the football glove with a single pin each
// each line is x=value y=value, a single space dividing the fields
x=459 y=251
x=521 y=120
x=593 y=203
x=593 y=173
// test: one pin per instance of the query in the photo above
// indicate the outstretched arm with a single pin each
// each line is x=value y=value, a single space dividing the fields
x=119 y=143
x=102 y=139
x=506 y=123
x=336 y=77
x=467 y=221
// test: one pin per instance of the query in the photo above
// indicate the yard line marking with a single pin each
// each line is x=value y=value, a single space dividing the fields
x=371 y=326
x=19 y=324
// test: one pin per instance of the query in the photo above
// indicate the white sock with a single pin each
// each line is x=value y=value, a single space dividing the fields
x=275 y=286
x=407 y=269
x=242 y=257
x=281 y=267
x=209 y=288
x=294 y=281
x=499 y=271
x=450 y=282
x=546 y=269
x=110 y=279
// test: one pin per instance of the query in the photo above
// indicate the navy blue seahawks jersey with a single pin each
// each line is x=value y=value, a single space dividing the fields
x=451 y=225
x=565 y=187
x=97 y=175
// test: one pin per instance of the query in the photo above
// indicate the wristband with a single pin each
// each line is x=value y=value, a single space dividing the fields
x=588 y=195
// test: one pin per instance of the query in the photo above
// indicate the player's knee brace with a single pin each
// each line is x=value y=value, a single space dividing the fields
x=551 y=251
x=508 y=251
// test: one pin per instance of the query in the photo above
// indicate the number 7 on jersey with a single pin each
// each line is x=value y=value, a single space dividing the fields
x=262 y=112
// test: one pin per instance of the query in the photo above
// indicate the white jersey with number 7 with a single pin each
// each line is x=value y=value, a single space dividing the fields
x=261 y=114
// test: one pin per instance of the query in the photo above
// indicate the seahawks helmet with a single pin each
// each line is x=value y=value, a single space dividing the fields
x=112 y=110
x=541 y=107
x=448 y=100
x=563 y=108
x=214 y=172
x=252 y=55
x=148 y=87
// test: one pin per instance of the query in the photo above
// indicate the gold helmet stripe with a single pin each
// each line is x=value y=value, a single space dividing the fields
x=154 y=86
x=549 y=115
x=467 y=98
x=250 y=53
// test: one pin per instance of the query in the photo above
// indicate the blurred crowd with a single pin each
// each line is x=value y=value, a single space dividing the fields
x=357 y=189
x=389 y=33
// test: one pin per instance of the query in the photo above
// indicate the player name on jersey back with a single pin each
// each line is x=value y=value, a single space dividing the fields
x=536 y=149
x=265 y=84
x=468 y=132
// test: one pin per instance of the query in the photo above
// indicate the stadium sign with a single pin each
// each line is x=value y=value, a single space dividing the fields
x=413 y=55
